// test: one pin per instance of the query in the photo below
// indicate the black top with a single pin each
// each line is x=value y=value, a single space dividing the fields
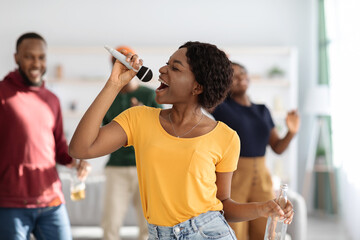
x=252 y=123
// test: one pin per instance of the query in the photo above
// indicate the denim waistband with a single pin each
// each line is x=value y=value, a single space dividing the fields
x=187 y=227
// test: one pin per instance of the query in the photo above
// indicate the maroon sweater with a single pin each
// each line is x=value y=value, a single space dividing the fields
x=31 y=143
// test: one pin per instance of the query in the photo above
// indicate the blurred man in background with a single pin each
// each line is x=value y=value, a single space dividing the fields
x=32 y=143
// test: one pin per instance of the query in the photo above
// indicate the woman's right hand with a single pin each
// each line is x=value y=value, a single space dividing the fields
x=121 y=75
x=89 y=139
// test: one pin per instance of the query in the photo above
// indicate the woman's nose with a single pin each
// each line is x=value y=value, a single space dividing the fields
x=163 y=69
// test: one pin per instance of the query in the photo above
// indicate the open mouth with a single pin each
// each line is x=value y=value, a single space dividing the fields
x=34 y=73
x=162 y=86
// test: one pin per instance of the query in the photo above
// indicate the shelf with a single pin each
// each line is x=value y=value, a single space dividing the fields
x=80 y=80
x=264 y=50
x=275 y=82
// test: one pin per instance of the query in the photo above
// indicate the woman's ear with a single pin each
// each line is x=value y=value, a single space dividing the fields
x=198 y=89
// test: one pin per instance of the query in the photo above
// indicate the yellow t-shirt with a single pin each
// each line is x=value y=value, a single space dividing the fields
x=177 y=175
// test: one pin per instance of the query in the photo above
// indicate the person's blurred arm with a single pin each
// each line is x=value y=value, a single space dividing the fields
x=279 y=145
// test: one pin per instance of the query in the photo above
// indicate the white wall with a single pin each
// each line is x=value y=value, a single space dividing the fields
x=168 y=23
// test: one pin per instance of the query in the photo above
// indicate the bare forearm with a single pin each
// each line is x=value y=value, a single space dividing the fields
x=238 y=212
x=283 y=143
x=88 y=128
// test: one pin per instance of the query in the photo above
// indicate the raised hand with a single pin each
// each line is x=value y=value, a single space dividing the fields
x=120 y=74
x=293 y=121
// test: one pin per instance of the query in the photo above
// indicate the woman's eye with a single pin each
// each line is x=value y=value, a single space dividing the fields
x=172 y=67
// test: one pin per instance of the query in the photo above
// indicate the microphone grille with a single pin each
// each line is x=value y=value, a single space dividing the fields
x=144 y=74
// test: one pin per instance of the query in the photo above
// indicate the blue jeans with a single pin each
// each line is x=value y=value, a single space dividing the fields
x=45 y=223
x=209 y=225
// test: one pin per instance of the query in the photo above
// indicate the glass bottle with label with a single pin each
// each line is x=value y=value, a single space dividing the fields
x=275 y=227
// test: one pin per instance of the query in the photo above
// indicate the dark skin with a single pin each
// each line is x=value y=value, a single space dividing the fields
x=238 y=94
x=179 y=88
x=31 y=60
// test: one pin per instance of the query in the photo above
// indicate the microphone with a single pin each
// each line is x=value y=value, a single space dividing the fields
x=144 y=74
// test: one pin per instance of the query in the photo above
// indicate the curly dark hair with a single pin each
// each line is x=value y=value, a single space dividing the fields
x=212 y=70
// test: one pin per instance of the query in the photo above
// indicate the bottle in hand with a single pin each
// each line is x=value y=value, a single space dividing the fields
x=275 y=227
x=77 y=187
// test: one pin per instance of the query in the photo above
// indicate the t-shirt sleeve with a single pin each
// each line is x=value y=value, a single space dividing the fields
x=126 y=120
x=229 y=161
x=268 y=119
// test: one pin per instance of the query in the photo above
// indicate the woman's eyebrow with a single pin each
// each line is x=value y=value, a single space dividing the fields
x=179 y=62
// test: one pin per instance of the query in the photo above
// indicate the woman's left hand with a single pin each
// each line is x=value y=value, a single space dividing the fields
x=271 y=208
x=288 y=212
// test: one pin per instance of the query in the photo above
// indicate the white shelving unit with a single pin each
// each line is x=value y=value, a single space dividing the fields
x=85 y=70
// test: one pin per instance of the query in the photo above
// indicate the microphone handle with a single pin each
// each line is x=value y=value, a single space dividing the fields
x=144 y=73
x=119 y=57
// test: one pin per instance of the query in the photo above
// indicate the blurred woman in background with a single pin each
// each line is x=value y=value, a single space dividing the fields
x=253 y=123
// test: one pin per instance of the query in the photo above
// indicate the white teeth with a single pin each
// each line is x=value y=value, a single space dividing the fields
x=162 y=81
x=35 y=72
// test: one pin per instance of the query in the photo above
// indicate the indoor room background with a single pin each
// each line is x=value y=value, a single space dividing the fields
x=76 y=31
